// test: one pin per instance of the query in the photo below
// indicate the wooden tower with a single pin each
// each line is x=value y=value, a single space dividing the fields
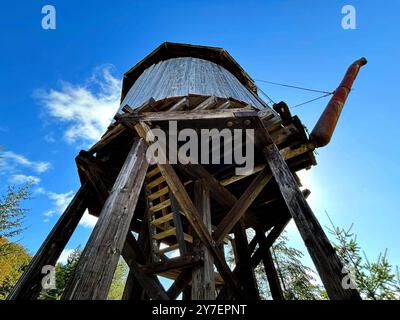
x=146 y=211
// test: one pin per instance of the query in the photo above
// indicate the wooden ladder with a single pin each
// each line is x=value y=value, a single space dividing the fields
x=165 y=218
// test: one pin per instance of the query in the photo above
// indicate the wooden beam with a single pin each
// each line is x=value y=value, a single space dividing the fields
x=191 y=213
x=180 y=105
x=179 y=284
x=94 y=272
x=107 y=138
x=203 y=281
x=149 y=284
x=182 y=261
x=270 y=239
x=133 y=290
x=246 y=272
x=185 y=115
x=318 y=245
x=225 y=105
x=241 y=206
x=206 y=104
x=29 y=286
x=176 y=213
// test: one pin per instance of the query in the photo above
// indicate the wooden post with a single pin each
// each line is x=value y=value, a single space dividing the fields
x=321 y=251
x=29 y=286
x=133 y=290
x=246 y=271
x=269 y=267
x=203 y=282
x=94 y=272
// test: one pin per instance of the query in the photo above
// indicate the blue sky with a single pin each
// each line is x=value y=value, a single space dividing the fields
x=60 y=87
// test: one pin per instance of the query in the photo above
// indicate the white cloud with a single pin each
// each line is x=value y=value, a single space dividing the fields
x=10 y=160
x=60 y=200
x=39 y=190
x=21 y=179
x=87 y=108
x=50 y=213
x=64 y=255
x=88 y=221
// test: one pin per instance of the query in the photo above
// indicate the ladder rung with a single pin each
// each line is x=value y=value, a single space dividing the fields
x=163 y=219
x=153 y=172
x=188 y=238
x=160 y=206
x=171 y=232
x=155 y=182
x=164 y=234
x=158 y=193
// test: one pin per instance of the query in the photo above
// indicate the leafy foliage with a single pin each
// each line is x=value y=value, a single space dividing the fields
x=374 y=280
x=12 y=215
x=64 y=272
x=118 y=282
x=297 y=280
x=12 y=265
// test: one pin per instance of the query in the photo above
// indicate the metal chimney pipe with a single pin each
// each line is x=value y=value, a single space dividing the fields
x=323 y=130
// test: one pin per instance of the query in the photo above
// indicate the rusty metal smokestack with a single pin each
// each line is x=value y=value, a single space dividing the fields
x=323 y=130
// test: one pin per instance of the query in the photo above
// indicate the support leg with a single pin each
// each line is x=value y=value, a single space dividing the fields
x=321 y=251
x=94 y=272
x=29 y=286
x=203 y=282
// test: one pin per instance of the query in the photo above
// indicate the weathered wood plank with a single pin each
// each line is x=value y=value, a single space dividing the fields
x=160 y=206
x=185 y=115
x=29 y=286
x=203 y=282
x=163 y=219
x=94 y=272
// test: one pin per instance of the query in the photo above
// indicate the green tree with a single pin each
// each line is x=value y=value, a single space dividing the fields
x=297 y=280
x=12 y=214
x=12 y=265
x=376 y=280
x=13 y=256
x=118 y=282
x=64 y=272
